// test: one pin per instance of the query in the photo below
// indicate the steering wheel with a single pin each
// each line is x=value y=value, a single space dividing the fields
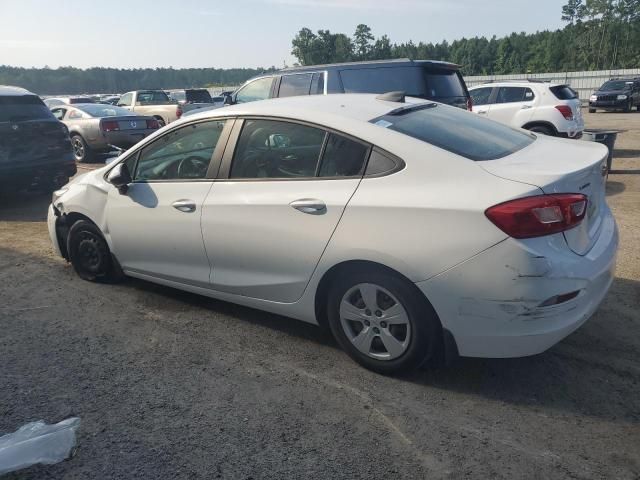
x=192 y=167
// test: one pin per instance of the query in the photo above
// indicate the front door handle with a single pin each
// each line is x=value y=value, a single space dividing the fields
x=482 y=112
x=186 y=206
x=526 y=107
x=310 y=206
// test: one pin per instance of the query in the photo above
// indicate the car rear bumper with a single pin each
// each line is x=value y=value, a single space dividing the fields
x=120 y=139
x=37 y=173
x=491 y=303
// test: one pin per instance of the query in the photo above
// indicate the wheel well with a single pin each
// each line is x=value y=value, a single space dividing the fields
x=159 y=117
x=63 y=224
x=548 y=125
x=447 y=350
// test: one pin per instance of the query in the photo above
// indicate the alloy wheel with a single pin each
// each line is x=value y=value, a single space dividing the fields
x=78 y=148
x=375 y=321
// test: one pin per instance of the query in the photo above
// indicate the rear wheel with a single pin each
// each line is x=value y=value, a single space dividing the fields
x=161 y=122
x=81 y=150
x=541 y=129
x=382 y=322
x=89 y=254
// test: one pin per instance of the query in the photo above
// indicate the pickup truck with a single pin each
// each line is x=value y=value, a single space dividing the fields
x=152 y=103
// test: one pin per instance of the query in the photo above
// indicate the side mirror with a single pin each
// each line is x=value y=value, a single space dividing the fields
x=228 y=100
x=120 y=178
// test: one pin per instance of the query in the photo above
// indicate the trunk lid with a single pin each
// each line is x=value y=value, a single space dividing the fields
x=562 y=166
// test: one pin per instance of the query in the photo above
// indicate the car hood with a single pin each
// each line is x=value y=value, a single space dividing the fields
x=611 y=92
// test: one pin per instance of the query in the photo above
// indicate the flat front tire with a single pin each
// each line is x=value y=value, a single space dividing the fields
x=89 y=253
x=382 y=321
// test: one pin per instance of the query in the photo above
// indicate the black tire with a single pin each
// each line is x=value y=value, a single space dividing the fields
x=81 y=151
x=89 y=254
x=426 y=332
x=629 y=106
x=542 y=130
x=161 y=122
x=592 y=110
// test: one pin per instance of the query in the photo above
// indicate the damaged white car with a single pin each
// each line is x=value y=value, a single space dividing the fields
x=411 y=230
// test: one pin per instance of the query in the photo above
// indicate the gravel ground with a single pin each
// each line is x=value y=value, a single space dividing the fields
x=171 y=385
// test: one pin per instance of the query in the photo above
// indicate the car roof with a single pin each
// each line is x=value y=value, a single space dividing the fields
x=517 y=83
x=9 y=91
x=394 y=62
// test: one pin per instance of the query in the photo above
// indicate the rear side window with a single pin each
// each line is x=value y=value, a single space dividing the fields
x=563 y=92
x=514 y=95
x=456 y=131
x=294 y=85
x=23 y=108
x=414 y=81
x=343 y=157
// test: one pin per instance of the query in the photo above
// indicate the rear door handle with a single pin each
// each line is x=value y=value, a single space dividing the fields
x=186 y=206
x=310 y=206
x=482 y=112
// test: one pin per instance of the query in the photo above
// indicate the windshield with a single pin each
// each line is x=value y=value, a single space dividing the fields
x=98 y=110
x=427 y=83
x=22 y=108
x=615 y=85
x=456 y=131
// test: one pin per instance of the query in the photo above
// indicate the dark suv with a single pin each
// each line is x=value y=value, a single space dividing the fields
x=427 y=79
x=616 y=94
x=35 y=150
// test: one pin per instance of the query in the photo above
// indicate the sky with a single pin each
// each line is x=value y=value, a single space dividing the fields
x=236 y=33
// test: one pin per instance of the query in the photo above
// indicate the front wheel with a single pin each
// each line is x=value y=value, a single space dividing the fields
x=382 y=321
x=89 y=253
x=629 y=106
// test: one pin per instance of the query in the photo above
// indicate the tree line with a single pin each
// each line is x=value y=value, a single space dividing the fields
x=598 y=35
x=70 y=80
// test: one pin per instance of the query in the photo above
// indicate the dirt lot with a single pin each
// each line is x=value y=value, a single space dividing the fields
x=170 y=385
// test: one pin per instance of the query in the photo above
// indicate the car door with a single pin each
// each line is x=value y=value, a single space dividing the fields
x=155 y=225
x=279 y=198
x=481 y=100
x=512 y=106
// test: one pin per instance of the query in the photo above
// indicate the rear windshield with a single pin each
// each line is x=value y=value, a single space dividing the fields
x=100 y=110
x=198 y=96
x=456 y=131
x=418 y=82
x=24 y=107
x=564 y=92
x=153 y=97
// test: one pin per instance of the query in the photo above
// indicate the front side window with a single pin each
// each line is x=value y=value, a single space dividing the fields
x=480 y=96
x=257 y=90
x=276 y=149
x=514 y=94
x=343 y=157
x=456 y=131
x=152 y=96
x=317 y=84
x=182 y=154
x=294 y=85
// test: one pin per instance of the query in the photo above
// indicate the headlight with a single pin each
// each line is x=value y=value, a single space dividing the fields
x=593 y=98
x=622 y=97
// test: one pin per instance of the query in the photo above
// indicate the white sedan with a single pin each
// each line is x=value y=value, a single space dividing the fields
x=413 y=231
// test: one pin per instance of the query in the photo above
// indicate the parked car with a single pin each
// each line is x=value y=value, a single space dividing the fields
x=110 y=99
x=152 y=103
x=616 y=94
x=426 y=79
x=541 y=107
x=52 y=102
x=96 y=128
x=192 y=99
x=408 y=229
x=34 y=147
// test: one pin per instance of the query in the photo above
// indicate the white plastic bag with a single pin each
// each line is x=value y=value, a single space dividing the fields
x=38 y=442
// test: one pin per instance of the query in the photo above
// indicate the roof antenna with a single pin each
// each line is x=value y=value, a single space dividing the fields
x=397 y=97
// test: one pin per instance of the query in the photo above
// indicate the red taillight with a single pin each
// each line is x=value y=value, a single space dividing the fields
x=566 y=111
x=178 y=112
x=469 y=104
x=540 y=215
x=153 y=124
x=109 y=126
